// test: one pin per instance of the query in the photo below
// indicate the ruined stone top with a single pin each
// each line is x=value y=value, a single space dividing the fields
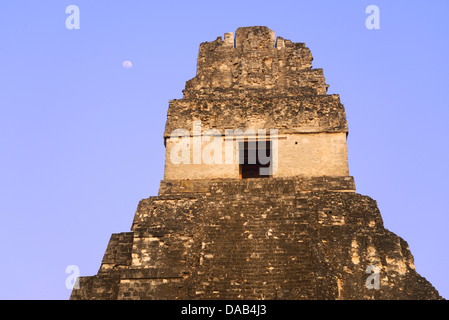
x=255 y=60
x=258 y=81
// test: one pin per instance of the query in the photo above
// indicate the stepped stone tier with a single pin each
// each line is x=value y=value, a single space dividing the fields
x=221 y=228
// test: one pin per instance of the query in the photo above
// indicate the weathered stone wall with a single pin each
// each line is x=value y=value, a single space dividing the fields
x=272 y=187
x=312 y=114
x=269 y=242
x=312 y=155
x=259 y=84
x=256 y=62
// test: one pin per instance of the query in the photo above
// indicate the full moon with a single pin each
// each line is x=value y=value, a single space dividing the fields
x=127 y=64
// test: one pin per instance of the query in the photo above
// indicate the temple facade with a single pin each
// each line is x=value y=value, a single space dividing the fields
x=257 y=201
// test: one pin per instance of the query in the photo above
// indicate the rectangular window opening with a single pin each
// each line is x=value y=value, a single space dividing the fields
x=255 y=160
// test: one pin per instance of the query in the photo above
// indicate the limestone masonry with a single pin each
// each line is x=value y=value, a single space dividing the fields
x=228 y=225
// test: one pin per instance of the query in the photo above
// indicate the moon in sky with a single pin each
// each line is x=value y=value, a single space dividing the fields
x=127 y=64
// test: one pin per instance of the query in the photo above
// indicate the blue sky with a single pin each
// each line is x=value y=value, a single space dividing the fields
x=81 y=136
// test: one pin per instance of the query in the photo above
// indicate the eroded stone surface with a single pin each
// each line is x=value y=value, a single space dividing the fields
x=303 y=234
x=256 y=245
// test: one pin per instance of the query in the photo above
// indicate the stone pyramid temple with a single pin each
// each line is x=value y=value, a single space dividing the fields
x=257 y=201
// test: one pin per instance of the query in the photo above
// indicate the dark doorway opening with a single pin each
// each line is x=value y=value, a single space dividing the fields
x=255 y=159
